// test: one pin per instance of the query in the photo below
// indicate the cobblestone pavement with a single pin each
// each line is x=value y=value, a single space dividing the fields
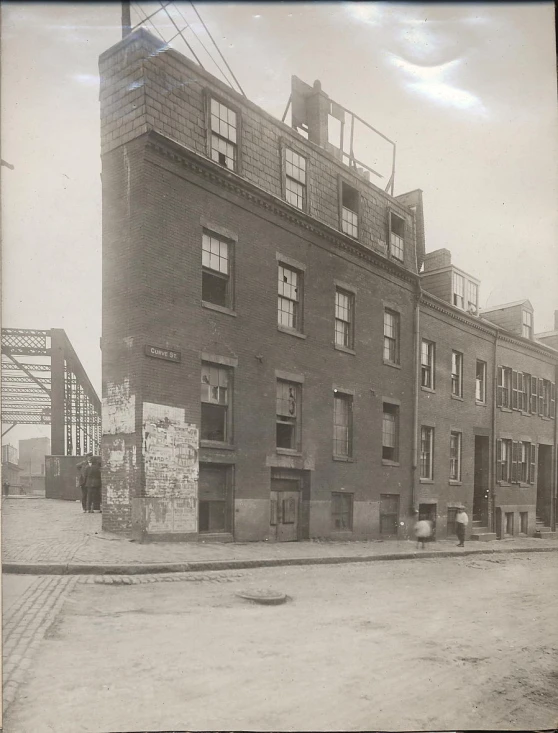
x=51 y=531
x=467 y=642
x=25 y=622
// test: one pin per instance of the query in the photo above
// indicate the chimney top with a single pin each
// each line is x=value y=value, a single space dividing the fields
x=437 y=259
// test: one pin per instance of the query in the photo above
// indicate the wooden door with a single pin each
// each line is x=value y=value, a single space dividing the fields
x=285 y=509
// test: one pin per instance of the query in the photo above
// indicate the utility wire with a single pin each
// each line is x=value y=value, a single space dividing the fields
x=189 y=25
x=136 y=9
x=218 y=49
x=178 y=29
x=148 y=17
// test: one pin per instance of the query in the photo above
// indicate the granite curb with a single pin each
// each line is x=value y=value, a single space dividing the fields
x=204 y=566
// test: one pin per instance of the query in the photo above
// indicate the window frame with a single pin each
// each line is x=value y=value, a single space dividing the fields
x=286 y=146
x=430 y=431
x=455 y=460
x=457 y=376
x=228 y=405
x=341 y=184
x=455 y=295
x=339 y=290
x=504 y=387
x=475 y=304
x=347 y=399
x=392 y=249
x=209 y=96
x=504 y=465
x=394 y=411
x=297 y=432
x=483 y=398
x=527 y=325
x=298 y=308
x=430 y=366
x=387 y=340
x=207 y=270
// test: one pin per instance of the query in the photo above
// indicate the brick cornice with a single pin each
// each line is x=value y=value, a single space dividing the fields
x=436 y=304
x=240 y=186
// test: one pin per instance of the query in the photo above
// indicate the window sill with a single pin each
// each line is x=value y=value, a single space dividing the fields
x=387 y=462
x=291 y=332
x=343 y=459
x=216 y=444
x=218 y=308
x=426 y=480
x=391 y=364
x=288 y=452
x=543 y=417
x=505 y=409
x=457 y=397
x=428 y=389
x=455 y=482
x=344 y=349
x=503 y=483
x=480 y=404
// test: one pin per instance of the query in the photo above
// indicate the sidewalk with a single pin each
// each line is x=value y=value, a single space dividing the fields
x=54 y=537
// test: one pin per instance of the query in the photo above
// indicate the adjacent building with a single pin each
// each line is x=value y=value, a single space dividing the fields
x=277 y=362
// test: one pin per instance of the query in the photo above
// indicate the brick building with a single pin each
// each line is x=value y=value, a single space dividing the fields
x=263 y=314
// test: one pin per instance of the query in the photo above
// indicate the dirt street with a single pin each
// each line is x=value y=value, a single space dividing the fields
x=437 y=644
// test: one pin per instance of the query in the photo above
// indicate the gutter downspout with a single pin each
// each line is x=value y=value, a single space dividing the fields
x=416 y=387
x=491 y=504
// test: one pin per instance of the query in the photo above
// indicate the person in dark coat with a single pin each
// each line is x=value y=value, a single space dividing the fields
x=82 y=468
x=93 y=484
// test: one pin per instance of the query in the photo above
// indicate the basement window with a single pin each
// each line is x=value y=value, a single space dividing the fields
x=349 y=210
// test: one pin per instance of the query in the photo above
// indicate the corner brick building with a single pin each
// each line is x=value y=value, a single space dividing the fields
x=275 y=364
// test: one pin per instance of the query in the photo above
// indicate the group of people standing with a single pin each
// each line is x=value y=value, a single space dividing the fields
x=424 y=528
x=90 y=483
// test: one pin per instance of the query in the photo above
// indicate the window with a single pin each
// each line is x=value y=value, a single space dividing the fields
x=503 y=392
x=344 y=314
x=427 y=364
x=527 y=327
x=214 y=499
x=515 y=389
x=396 y=236
x=342 y=425
x=342 y=511
x=472 y=297
x=295 y=179
x=289 y=290
x=457 y=373
x=349 y=210
x=534 y=398
x=524 y=462
x=455 y=456
x=547 y=398
x=216 y=271
x=390 y=432
x=480 y=381
x=223 y=126
x=458 y=290
x=215 y=403
x=503 y=460
x=427 y=453
x=391 y=336
x=526 y=399
x=288 y=415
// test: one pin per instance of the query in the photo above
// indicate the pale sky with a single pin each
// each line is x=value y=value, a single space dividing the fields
x=468 y=92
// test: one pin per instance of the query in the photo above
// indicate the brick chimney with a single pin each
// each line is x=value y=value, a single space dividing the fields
x=317 y=109
x=437 y=259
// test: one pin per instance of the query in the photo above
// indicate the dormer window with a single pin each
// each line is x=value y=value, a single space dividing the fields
x=349 y=210
x=459 y=290
x=223 y=126
x=527 y=328
x=472 y=297
x=396 y=236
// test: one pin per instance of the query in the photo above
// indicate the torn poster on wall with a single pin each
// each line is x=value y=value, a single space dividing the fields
x=170 y=450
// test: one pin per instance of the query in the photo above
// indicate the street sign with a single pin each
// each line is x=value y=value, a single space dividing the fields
x=166 y=354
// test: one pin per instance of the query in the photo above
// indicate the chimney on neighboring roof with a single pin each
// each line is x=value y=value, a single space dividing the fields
x=317 y=109
x=437 y=259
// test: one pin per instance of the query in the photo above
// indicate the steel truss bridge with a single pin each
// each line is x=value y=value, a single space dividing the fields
x=44 y=383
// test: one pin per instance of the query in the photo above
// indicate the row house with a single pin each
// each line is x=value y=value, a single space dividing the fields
x=267 y=327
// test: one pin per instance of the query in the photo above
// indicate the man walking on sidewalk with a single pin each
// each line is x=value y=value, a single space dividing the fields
x=461 y=522
x=82 y=468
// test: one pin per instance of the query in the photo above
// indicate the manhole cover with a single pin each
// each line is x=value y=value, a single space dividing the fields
x=266 y=597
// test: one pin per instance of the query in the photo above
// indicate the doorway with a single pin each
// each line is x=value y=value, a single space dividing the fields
x=428 y=511
x=544 y=485
x=285 y=509
x=389 y=515
x=481 y=478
